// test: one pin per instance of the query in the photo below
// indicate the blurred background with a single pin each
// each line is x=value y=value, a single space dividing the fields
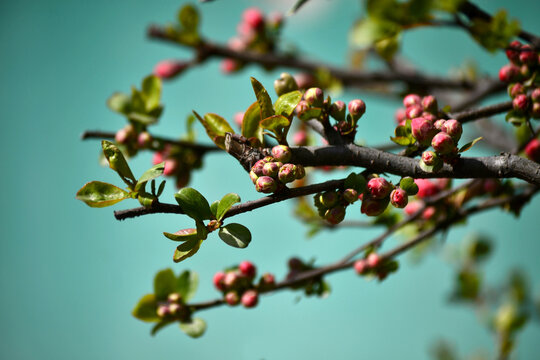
x=70 y=275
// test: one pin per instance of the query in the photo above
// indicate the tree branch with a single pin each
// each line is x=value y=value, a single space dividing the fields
x=348 y=77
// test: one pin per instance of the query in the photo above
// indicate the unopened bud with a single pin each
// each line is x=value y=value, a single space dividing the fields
x=285 y=84
x=314 y=97
x=287 y=173
x=218 y=280
x=281 y=153
x=423 y=130
x=232 y=298
x=250 y=298
x=357 y=108
x=168 y=69
x=337 y=110
x=453 y=128
x=265 y=184
x=247 y=268
x=350 y=195
x=335 y=215
x=520 y=103
x=532 y=150
x=411 y=99
x=399 y=198
x=443 y=144
x=271 y=169
x=379 y=188
x=429 y=103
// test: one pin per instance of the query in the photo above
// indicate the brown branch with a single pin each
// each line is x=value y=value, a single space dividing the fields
x=344 y=263
x=475 y=114
x=347 y=77
x=186 y=144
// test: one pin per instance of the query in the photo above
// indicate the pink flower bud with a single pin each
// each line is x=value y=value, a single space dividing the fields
x=250 y=299
x=513 y=50
x=231 y=279
x=171 y=165
x=144 y=139
x=423 y=130
x=121 y=136
x=335 y=215
x=429 y=158
x=266 y=184
x=174 y=308
x=232 y=298
x=453 y=128
x=429 y=103
x=508 y=73
x=167 y=69
x=162 y=311
x=337 y=110
x=247 y=268
x=281 y=153
x=300 y=138
x=268 y=280
x=520 y=103
x=413 y=207
x=491 y=185
x=373 y=207
x=314 y=97
x=426 y=188
x=218 y=279
x=515 y=89
x=412 y=99
x=428 y=213
x=253 y=17
x=301 y=107
x=399 y=198
x=257 y=168
x=157 y=158
x=535 y=110
x=304 y=80
x=414 y=111
x=443 y=144
x=532 y=150
x=373 y=260
x=287 y=173
x=439 y=124
x=229 y=66
x=360 y=266
x=174 y=297
x=357 y=108
x=271 y=169
x=429 y=117
x=535 y=95
x=236 y=44
x=400 y=115
x=350 y=195
x=379 y=188
x=238 y=119
x=528 y=56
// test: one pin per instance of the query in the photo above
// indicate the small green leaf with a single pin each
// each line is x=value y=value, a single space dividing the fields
x=195 y=328
x=431 y=168
x=214 y=207
x=160 y=325
x=161 y=187
x=146 y=309
x=99 y=194
x=193 y=204
x=235 y=235
x=187 y=284
x=265 y=103
x=164 y=284
x=225 y=204
x=276 y=124
x=117 y=162
x=146 y=199
x=401 y=140
x=150 y=174
x=370 y=30
x=182 y=235
x=188 y=17
x=141 y=118
x=250 y=123
x=151 y=92
x=408 y=184
x=286 y=103
x=186 y=249
x=469 y=145
x=310 y=113
x=356 y=181
x=202 y=231
x=119 y=102
x=215 y=127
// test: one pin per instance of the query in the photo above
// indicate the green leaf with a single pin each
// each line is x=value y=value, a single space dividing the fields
x=164 y=284
x=495 y=33
x=297 y=5
x=286 y=103
x=118 y=162
x=141 y=118
x=151 y=92
x=188 y=17
x=235 y=235
x=265 y=103
x=370 y=30
x=215 y=127
x=119 y=102
x=450 y=6
x=193 y=204
x=250 y=123
x=182 y=235
x=138 y=104
x=469 y=145
x=225 y=204
x=408 y=184
x=99 y=194
x=160 y=325
x=150 y=174
x=195 y=328
x=160 y=188
x=356 y=181
x=277 y=124
x=146 y=199
x=401 y=140
x=202 y=231
x=146 y=309
x=431 y=168
x=186 y=249
x=187 y=284
x=310 y=113
x=214 y=207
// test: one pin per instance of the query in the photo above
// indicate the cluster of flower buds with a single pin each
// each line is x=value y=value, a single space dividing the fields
x=315 y=106
x=133 y=139
x=523 y=82
x=173 y=308
x=178 y=162
x=271 y=173
x=372 y=265
x=238 y=286
x=380 y=192
x=255 y=33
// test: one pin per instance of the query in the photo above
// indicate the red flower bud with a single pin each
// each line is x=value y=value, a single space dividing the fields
x=535 y=95
x=528 y=56
x=232 y=298
x=231 y=279
x=373 y=260
x=515 y=89
x=218 y=279
x=247 y=268
x=335 y=215
x=443 y=144
x=411 y=99
x=439 y=124
x=168 y=69
x=512 y=52
x=414 y=111
x=350 y=195
x=521 y=103
x=271 y=169
x=360 y=266
x=266 y=184
x=508 y=73
x=357 y=108
x=429 y=103
x=429 y=158
x=171 y=166
x=399 y=198
x=250 y=298
x=314 y=97
x=533 y=150
x=287 y=173
x=281 y=153
x=229 y=66
x=426 y=188
x=337 y=110
x=423 y=130
x=144 y=139
x=400 y=115
x=253 y=17
x=373 y=207
x=453 y=128
x=379 y=188
x=300 y=138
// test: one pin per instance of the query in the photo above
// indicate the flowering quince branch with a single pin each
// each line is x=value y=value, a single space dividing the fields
x=425 y=130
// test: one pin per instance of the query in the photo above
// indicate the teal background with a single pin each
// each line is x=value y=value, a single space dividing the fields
x=70 y=275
